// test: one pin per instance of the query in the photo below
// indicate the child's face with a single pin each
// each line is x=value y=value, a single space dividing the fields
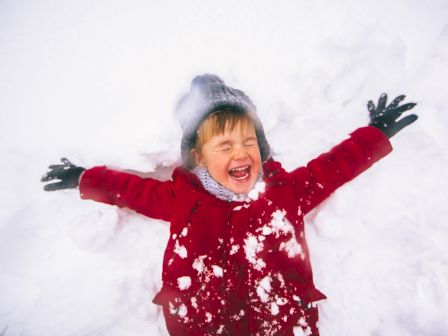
x=232 y=158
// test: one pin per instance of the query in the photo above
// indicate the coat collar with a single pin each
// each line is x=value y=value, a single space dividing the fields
x=273 y=174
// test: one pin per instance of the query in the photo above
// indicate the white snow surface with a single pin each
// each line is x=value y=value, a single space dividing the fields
x=97 y=82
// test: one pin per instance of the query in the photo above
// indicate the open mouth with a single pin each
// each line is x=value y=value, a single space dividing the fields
x=240 y=173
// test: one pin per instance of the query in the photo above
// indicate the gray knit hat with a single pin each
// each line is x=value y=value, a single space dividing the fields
x=207 y=94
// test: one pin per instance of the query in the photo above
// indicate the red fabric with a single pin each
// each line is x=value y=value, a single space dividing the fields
x=237 y=268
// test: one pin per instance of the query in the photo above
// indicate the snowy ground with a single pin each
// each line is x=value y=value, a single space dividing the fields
x=96 y=81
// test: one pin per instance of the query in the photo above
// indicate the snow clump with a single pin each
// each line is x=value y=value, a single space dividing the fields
x=182 y=312
x=184 y=282
x=234 y=249
x=217 y=270
x=180 y=250
x=198 y=264
x=251 y=247
x=274 y=308
x=258 y=189
x=263 y=288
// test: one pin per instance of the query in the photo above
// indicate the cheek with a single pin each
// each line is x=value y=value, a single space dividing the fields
x=256 y=158
x=217 y=166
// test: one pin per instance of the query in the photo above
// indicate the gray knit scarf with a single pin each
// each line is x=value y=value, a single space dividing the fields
x=216 y=189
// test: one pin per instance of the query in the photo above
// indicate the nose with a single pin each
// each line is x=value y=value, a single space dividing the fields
x=239 y=153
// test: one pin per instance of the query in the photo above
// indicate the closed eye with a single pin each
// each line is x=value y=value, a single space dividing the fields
x=223 y=146
x=251 y=142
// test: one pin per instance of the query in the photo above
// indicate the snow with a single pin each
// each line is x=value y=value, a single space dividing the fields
x=265 y=283
x=97 y=81
x=183 y=310
x=292 y=248
x=220 y=329
x=208 y=317
x=252 y=245
x=263 y=289
x=180 y=250
x=184 y=232
x=234 y=249
x=281 y=301
x=258 y=189
x=281 y=226
x=274 y=308
x=184 y=282
x=279 y=223
x=198 y=264
x=298 y=331
x=217 y=271
x=194 y=302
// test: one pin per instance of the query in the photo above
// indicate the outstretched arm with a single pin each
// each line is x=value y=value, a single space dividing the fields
x=147 y=196
x=66 y=174
x=323 y=175
x=386 y=118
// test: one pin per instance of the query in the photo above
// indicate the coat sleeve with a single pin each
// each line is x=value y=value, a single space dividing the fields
x=323 y=175
x=146 y=196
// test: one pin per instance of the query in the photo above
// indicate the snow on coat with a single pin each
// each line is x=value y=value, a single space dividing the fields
x=239 y=268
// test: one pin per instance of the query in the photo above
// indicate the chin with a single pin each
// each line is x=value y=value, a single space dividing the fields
x=241 y=179
x=240 y=191
x=241 y=187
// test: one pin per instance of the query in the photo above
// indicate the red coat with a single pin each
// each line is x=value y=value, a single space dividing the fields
x=239 y=268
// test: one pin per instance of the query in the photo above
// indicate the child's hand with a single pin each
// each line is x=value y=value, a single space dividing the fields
x=385 y=118
x=67 y=173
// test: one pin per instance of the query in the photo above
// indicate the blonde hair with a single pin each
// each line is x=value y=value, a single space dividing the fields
x=219 y=122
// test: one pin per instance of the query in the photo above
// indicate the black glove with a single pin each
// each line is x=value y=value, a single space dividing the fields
x=68 y=173
x=385 y=118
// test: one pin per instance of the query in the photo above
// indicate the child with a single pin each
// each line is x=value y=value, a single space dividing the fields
x=237 y=262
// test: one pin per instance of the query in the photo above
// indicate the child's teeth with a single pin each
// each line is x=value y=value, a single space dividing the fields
x=240 y=173
x=240 y=168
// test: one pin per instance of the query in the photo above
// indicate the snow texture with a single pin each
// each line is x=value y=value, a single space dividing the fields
x=252 y=246
x=97 y=81
x=258 y=189
x=217 y=271
x=198 y=264
x=180 y=250
x=263 y=288
x=184 y=282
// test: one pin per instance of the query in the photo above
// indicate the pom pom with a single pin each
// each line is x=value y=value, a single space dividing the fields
x=206 y=80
